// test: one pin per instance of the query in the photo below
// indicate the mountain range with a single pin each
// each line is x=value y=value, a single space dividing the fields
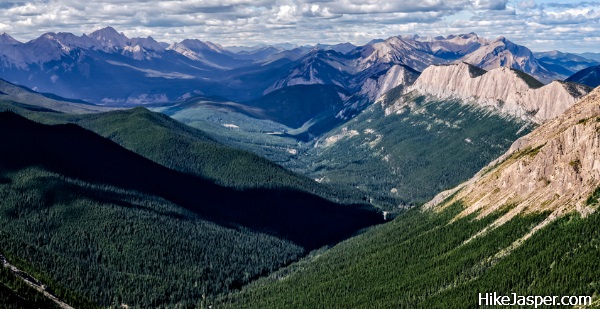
x=66 y=64
x=508 y=90
x=407 y=172
x=308 y=127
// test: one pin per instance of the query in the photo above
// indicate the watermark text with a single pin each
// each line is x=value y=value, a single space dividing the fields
x=495 y=299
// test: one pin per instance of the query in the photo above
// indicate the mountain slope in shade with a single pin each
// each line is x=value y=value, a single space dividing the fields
x=295 y=105
x=75 y=152
x=554 y=168
x=19 y=94
x=589 y=76
x=564 y=64
x=506 y=90
x=317 y=67
x=504 y=53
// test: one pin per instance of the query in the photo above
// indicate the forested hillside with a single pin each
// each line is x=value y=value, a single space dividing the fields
x=427 y=260
x=79 y=211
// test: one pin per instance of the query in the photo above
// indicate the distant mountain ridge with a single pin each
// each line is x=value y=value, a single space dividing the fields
x=107 y=67
x=504 y=53
x=565 y=64
x=24 y=95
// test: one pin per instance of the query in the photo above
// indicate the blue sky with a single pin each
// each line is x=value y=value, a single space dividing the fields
x=571 y=26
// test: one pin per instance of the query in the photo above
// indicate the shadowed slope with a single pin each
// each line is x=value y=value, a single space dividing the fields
x=74 y=152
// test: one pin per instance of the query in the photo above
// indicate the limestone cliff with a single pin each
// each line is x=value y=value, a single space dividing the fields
x=506 y=90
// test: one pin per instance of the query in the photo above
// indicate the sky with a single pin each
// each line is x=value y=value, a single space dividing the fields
x=541 y=25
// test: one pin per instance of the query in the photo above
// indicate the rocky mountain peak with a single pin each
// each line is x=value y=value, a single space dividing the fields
x=397 y=75
x=504 y=53
x=5 y=38
x=109 y=37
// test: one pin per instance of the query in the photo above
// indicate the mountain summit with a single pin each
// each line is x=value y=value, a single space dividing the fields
x=504 y=53
x=109 y=38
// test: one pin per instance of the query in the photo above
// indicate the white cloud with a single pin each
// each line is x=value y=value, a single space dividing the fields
x=232 y=22
x=489 y=4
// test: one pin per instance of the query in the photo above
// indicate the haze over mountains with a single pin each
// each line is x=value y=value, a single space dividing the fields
x=297 y=106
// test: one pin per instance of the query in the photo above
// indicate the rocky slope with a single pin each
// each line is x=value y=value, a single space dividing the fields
x=375 y=86
x=397 y=50
x=509 y=91
x=555 y=168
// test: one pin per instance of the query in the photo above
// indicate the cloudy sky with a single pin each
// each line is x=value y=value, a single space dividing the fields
x=539 y=24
